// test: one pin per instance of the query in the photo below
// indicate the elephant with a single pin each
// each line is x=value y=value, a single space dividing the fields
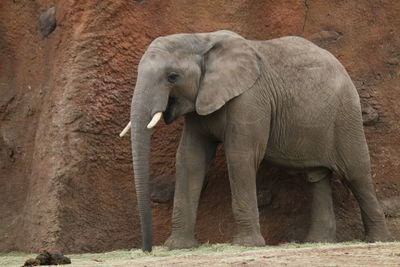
x=283 y=101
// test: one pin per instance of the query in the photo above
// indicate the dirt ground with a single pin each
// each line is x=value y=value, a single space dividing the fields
x=292 y=254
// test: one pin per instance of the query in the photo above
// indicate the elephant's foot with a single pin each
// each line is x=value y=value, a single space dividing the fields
x=249 y=240
x=378 y=234
x=377 y=238
x=180 y=242
x=320 y=238
x=322 y=234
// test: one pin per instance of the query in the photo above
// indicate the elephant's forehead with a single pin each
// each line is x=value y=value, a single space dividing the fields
x=189 y=43
x=156 y=59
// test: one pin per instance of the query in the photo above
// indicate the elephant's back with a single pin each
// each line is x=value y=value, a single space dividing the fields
x=313 y=94
x=302 y=68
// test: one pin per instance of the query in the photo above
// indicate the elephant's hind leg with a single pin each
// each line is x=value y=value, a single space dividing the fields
x=355 y=167
x=323 y=224
x=371 y=212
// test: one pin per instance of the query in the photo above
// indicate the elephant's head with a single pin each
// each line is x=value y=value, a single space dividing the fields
x=177 y=75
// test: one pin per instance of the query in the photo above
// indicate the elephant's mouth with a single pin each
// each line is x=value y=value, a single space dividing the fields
x=170 y=113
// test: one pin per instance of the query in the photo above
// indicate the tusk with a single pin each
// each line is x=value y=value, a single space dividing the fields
x=125 y=130
x=154 y=120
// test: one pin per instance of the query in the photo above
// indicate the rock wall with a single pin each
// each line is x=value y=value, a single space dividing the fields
x=66 y=80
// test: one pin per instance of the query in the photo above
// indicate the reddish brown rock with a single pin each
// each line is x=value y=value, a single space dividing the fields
x=322 y=38
x=66 y=177
x=162 y=190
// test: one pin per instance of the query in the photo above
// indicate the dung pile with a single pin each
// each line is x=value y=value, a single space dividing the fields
x=48 y=258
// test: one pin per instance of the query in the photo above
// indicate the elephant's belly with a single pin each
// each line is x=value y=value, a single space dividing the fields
x=297 y=158
x=302 y=145
x=293 y=164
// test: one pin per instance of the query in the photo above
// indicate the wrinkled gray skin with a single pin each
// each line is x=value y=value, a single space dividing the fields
x=285 y=101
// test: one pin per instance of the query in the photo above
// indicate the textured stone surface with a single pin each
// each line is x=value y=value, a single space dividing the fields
x=66 y=178
x=370 y=115
x=47 y=21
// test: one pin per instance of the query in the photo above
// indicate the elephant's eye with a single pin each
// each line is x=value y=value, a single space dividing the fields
x=172 y=77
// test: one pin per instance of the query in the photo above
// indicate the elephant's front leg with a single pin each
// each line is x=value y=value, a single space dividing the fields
x=243 y=162
x=193 y=158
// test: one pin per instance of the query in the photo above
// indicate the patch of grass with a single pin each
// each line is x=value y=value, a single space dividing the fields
x=124 y=256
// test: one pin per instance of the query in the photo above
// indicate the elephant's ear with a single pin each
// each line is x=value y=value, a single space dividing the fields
x=231 y=66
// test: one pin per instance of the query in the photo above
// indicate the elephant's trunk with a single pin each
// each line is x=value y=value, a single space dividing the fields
x=140 y=139
x=145 y=111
